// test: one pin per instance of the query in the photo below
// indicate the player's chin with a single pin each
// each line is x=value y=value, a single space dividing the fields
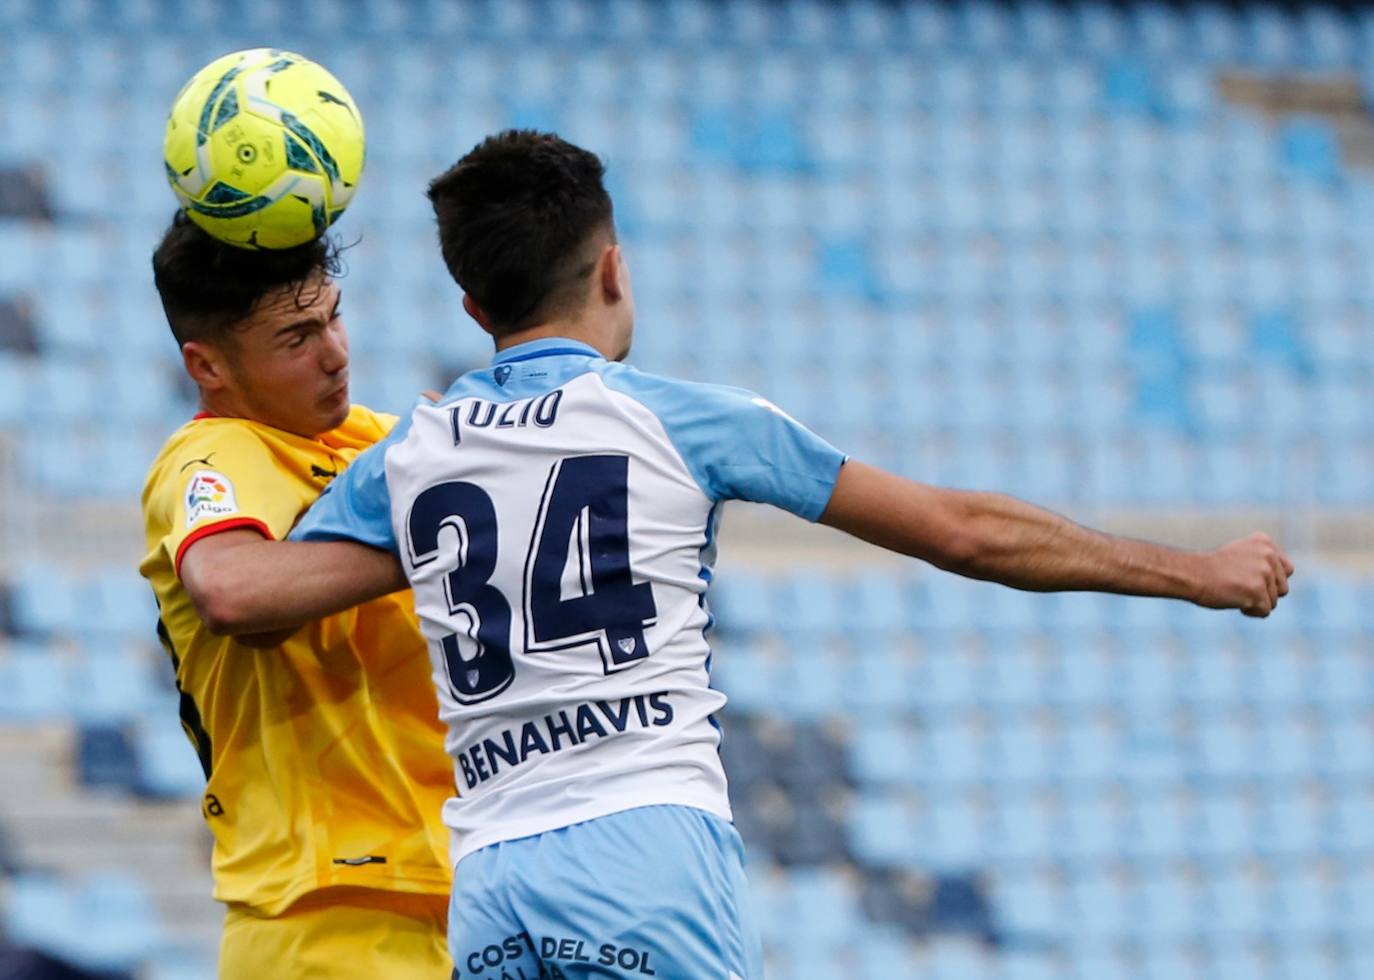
x=334 y=410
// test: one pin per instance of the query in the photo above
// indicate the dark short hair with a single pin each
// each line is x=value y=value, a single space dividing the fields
x=514 y=215
x=208 y=288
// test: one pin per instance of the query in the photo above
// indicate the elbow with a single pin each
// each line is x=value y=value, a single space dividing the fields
x=221 y=618
x=964 y=540
x=962 y=551
x=218 y=607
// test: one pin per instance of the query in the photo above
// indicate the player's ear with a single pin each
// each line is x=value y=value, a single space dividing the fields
x=206 y=365
x=476 y=312
x=613 y=274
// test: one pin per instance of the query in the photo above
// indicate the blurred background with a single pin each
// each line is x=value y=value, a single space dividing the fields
x=1112 y=258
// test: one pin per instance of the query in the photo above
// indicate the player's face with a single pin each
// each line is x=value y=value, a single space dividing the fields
x=289 y=363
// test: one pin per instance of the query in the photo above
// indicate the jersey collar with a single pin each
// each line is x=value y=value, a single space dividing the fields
x=544 y=347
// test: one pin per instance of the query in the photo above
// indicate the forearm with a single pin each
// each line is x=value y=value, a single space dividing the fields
x=1000 y=539
x=258 y=586
x=1027 y=547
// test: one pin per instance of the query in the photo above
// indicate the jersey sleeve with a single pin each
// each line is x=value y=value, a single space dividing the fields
x=356 y=506
x=222 y=478
x=737 y=444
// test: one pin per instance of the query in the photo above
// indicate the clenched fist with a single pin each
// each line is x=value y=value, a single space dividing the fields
x=1250 y=575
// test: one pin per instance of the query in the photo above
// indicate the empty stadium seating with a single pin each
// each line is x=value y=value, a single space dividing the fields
x=1023 y=246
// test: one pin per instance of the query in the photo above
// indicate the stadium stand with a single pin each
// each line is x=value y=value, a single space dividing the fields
x=1110 y=257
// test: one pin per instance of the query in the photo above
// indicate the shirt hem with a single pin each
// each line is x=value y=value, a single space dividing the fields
x=439 y=884
x=461 y=845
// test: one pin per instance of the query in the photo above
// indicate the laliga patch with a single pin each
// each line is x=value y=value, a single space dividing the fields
x=209 y=494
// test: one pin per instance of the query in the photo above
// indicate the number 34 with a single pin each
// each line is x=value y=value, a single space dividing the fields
x=585 y=507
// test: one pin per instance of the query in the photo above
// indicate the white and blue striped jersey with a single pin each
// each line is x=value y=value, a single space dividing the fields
x=556 y=516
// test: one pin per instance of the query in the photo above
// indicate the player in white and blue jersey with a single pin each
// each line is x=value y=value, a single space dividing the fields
x=555 y=514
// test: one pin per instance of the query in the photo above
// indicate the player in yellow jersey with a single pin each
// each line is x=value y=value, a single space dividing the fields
x=322 y=748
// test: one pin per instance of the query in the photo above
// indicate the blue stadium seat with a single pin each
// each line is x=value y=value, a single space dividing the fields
x=950 y=681
x=881 y=682
x=1094 y=829
x=1170 y=907
x=1022 y=752
x=34 y=683
x=884 y=953
x=882 y=831
x=1029 y=966
x=957 y=752
x=167 y=763
x=1100 y=963
x=1084 y=679
x=114 y=687
x=883 y=752
x=105 y=758
x=745 y=602
x=1128 y=86
x=119 y=602
x=749 y=679
x=180 y=964
x=44 y=600
x=14 y=385
x=1276 y=335
x=1032 y=905
x=119 y=925
x=822 y=907
x=39 y=912
x=810 y=678
x=1311 y=149
x=1103 y=910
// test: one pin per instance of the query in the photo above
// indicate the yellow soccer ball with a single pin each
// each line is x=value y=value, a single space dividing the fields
x=264 y=148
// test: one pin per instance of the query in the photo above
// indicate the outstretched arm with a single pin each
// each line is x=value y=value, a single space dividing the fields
x=242 y=583
x=1000 y=539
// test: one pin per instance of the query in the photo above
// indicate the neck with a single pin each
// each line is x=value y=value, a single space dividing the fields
x=597 y=335
x=221 y=405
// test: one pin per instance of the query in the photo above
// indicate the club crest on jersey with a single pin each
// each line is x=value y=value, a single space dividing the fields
x=502 y=374
x=209 y=494
x=627 y=645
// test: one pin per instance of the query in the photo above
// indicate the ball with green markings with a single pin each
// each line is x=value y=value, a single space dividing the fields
x=264 y=148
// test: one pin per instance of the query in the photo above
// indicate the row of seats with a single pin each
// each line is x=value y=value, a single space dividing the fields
x=987 y=406
x=1170 y=468
x=40 y=686
x=1264 y=35
x=905 y=598
x=811 y=608
x=964 y=960
x=1019 y=829
x=767 y=293
x=103 y=921
x=1088 y=677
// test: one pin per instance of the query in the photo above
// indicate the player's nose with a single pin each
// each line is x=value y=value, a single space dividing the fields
x=334 y=351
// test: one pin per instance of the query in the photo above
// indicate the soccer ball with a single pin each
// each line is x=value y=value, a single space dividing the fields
x=264 y=148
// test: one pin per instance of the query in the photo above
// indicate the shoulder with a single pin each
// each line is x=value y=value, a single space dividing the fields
x=209 y=443
x=676 y=398
x=365 y=424
x=206 y=457
x=697 y=414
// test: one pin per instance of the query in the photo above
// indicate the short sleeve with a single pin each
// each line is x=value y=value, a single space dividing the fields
x=738 y=445
x=223 y=478
x=356 y=506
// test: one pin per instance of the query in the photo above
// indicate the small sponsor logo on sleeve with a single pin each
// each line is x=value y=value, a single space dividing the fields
x=209 y=494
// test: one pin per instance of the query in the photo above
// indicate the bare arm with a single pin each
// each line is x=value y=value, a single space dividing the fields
x=1000 y=539
x=242 y=583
